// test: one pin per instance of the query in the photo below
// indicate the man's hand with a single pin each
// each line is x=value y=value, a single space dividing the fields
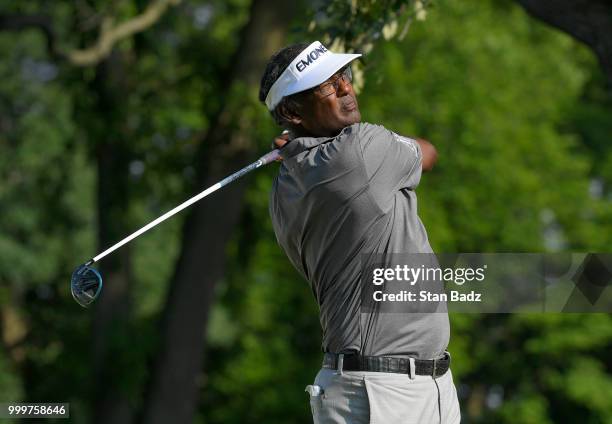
x=280 y=141
x=430 y=155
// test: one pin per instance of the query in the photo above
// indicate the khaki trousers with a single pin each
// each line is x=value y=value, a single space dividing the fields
x=362 y=397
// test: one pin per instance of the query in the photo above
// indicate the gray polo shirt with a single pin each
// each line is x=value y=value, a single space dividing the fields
x=339 y=200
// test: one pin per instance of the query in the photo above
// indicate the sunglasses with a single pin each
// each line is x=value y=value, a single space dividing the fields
x=332 y=85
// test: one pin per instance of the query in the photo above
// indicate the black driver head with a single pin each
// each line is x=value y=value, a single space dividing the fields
x=85 y=285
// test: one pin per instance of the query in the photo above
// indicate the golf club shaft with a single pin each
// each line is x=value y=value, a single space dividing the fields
x=267 y=158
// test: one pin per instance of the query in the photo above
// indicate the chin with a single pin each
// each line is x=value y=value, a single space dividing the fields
x=353 y=118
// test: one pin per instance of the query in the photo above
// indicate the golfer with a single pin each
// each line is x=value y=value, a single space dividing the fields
x=345 y=193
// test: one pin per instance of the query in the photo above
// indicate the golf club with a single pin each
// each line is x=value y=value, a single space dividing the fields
x=86 y=282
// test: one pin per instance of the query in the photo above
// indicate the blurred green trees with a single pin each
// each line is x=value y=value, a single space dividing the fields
x=517 y=111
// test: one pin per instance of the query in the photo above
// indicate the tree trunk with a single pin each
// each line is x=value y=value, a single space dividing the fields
x=589 y=21
x=112 y=310
x=172 y=393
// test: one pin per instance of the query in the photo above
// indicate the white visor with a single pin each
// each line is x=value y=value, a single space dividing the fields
x=313 y=66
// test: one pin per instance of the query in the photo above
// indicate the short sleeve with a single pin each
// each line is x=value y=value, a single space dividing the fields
x=392 y=161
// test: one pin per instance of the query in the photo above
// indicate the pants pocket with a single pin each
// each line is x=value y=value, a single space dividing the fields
x=316 y=398
x=338 y=399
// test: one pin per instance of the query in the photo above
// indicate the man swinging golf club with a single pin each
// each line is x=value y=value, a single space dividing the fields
x=345 y=190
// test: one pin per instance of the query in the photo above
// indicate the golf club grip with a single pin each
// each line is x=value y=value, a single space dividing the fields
x=267 y=158
x=270 y=157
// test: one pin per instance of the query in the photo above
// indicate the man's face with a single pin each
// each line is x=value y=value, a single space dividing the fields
x=327 y=109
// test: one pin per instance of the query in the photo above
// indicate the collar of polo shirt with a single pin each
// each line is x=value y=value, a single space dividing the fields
x=313 y=66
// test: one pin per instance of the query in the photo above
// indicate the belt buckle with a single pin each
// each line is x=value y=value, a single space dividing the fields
x=433 y=371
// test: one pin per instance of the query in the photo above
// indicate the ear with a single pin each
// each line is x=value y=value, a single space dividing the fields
x=289 y=115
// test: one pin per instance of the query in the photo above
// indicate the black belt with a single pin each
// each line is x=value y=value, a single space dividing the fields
x=356 y=362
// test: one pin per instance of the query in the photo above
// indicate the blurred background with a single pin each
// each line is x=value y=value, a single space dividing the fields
x=112 y=112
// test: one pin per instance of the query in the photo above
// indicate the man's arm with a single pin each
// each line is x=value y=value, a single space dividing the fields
x=429 y=152
x=430 y=155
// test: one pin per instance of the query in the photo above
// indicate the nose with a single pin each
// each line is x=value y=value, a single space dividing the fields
x=344 y=87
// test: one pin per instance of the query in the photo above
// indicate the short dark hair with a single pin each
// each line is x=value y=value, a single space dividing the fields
x=276 y=65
